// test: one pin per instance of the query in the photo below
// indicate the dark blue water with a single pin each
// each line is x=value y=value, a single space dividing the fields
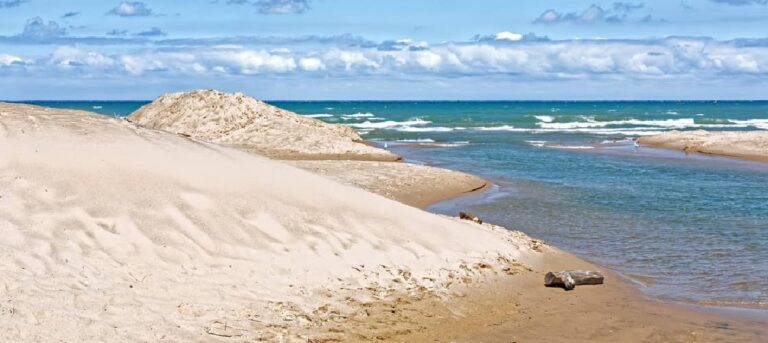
x=691 y=227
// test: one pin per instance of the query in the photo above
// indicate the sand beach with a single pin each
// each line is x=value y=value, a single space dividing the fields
x=173 y=226
x=751 y=145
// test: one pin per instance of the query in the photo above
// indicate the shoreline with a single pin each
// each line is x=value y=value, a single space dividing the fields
x=734 y=156
x=628 y=287
x=749 y=145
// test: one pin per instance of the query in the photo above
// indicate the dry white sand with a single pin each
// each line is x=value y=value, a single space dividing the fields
x=241 y=121
x=113 y=232
x=750 y=144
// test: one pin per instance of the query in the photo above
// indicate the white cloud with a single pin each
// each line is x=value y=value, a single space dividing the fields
x=428 y=59
x=68 y=58
x=8 y=60
x=510 y=36
x=311 y=64
x=200 y=61
x=131 y=9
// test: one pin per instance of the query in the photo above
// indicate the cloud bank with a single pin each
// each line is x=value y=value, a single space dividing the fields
x=674 y=57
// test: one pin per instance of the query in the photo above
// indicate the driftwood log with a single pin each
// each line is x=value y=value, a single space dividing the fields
x=470 y=216
x=569 y=279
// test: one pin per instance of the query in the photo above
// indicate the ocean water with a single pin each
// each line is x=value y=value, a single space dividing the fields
x=686 y=227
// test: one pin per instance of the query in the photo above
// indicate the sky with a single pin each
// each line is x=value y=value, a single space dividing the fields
x=385 y=49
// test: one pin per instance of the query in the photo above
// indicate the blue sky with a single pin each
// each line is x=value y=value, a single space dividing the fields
x=367 y=49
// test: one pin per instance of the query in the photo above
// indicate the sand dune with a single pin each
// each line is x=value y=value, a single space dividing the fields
x=114 y=232
x=749 y=145
x=244 y=122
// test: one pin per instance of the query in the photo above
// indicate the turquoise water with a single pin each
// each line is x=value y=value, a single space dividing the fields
x=694 y=228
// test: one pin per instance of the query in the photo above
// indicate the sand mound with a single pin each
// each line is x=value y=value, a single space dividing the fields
x=743 y=144
x=113 y=232
x=244 y=122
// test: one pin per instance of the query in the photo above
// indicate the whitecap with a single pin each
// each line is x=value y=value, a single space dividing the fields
x=591 y=123
x=426 y=129
x=390 y=124
x=319 y=115
x=356 y=115
x=538 y=144
x=497 y=128
x=448 y=144
x=546 y=119
x=420 y=140
x=756 y=123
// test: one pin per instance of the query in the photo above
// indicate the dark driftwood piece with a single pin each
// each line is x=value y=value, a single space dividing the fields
x=569 y=279
x=470 y=216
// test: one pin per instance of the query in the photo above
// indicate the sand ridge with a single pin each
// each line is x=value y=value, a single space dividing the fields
x=241 y=121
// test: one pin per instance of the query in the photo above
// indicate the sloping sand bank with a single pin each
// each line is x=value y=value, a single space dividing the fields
x=749 y=145
x=241 y=121
x=410 y=184
x=113 y=232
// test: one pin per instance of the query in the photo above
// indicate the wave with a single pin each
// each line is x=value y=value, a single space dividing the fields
x=319 y=115
x=538 y=144
x=623 y=132
x=390 y=124
x=448 y=144
x=428 y=129
x=498 y=128
x=546 y=119
x=636 y=131
x=431 y=143
x=591 y=123
x=544 y=144
x=424 y=140
x=756 y=123
x=356 y=115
